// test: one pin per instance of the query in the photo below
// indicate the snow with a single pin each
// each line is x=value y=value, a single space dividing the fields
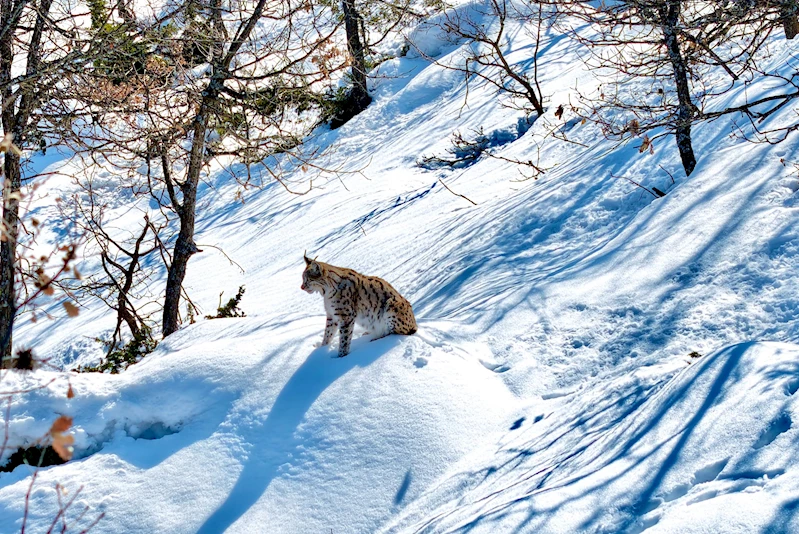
x=274 y=419
x=549 y=388
x=639 y=453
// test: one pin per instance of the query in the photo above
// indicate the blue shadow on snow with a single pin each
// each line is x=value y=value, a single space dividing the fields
x=311 y=379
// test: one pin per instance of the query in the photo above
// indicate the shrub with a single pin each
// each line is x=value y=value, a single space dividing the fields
x=231 y=309
x=123 y=357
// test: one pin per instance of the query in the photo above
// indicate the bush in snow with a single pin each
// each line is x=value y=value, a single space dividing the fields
x=123 y=357
x=231 y=309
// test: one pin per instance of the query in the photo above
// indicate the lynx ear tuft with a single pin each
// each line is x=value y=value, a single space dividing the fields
x=307 y=259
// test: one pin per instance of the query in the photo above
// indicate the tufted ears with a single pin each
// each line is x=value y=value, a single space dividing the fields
x=307 y=259
x=313 y=269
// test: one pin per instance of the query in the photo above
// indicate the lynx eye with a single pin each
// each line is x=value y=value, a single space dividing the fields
x=312 y=274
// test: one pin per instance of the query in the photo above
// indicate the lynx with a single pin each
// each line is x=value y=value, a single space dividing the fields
x=351 y=297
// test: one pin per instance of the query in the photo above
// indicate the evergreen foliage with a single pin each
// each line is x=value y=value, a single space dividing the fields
x=123 y=357
x=231 y=309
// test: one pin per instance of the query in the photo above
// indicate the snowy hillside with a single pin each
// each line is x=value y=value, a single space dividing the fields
x=549 y=388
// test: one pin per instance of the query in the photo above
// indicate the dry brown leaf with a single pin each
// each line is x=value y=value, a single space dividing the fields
x=62 y=445
x=71 y=309
x=70 y=392
x=645 y=144
x=61 y=424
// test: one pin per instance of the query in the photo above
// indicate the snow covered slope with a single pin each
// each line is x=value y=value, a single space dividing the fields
x=549 y=388
x=264 y=431
x=711 y=450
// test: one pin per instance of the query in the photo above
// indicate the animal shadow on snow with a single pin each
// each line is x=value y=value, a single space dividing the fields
x=275 y=441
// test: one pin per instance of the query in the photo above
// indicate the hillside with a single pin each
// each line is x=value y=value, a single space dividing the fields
x=549 y=388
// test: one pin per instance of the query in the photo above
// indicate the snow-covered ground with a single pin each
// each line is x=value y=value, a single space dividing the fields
x=549 y=388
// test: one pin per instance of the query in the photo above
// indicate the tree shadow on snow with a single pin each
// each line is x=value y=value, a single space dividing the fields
x=495 y=267
x=621 y=451
x=276 y=437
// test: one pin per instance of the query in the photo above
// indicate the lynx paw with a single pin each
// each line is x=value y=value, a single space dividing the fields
x=319 y=344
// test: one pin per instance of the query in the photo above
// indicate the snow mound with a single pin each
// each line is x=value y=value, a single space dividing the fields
x=713 y=449
x=250 y=431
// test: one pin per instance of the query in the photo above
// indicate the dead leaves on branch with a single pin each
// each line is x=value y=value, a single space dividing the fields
x=646 y=144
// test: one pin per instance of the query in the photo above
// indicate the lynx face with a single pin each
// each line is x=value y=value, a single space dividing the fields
x=312 y=278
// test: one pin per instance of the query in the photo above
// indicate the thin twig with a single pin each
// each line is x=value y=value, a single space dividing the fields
x=636 y=184
x=27 y=500
x=667 y=172
x=454 y=193
x=228 y=258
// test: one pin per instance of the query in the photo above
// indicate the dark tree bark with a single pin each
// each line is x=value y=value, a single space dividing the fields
x=8 y=247
x=18 y=105
x=185 y=247
x=358 y=98
x=670 y=15
x=10 y=205
x=789 y=14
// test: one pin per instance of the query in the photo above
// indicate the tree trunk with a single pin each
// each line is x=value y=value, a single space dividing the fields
x=15 y=121
x=670 y=14
x=789 y=14
x=359 y=98
x=184 y=245
x=10 y=203
x=8 y=248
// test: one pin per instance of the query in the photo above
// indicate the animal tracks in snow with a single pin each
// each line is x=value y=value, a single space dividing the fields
x=779 y=426
x=707 y=483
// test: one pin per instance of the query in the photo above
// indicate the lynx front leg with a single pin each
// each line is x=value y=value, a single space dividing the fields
x=345 y=327
x=330 y=330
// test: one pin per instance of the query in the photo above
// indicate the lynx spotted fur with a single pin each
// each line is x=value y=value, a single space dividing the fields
x=351 y=297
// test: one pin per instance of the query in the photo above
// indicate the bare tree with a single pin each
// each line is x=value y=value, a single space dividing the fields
x=680 y=47
x=124 y=284
x=18 y=106
x=359 y=96
x=367 y=24
x=234 y=80
x=39 y=42
x=489 y=58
